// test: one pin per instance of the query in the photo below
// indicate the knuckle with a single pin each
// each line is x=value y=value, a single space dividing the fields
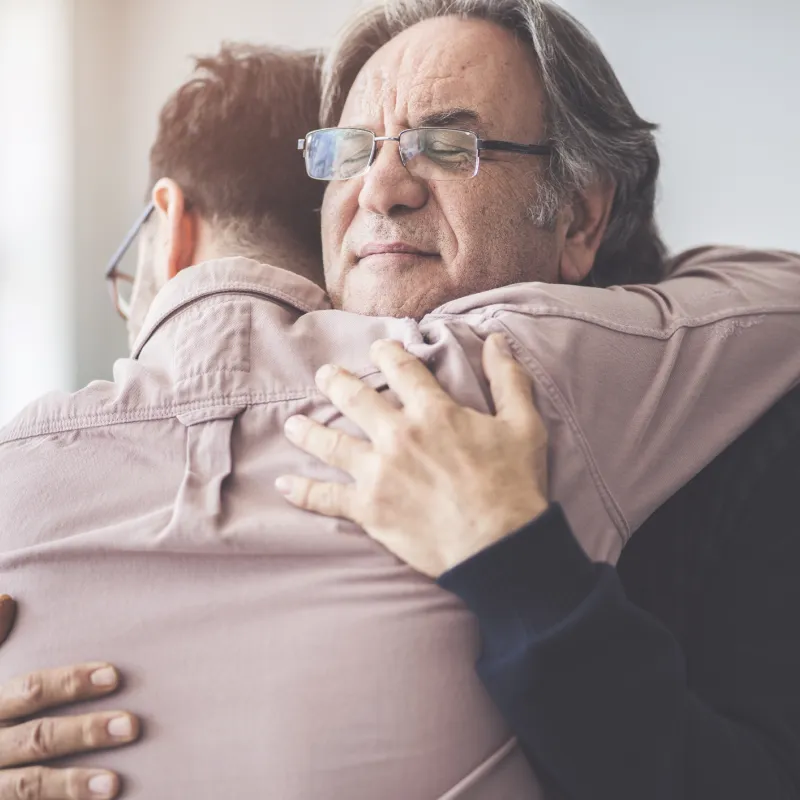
x=94 y=731
x=397 y=442
x=405 y=430
x=29 y=784
x=407 y=369
x=432 y=410
x=418 y=434
x=323 y=496
x=75 y=780
x=69 y=684
x=355 y=394
x=334 y=443
x=444 y=413
x=40 y=739
x=302 y=492
x=32 y=688
x=399 y=356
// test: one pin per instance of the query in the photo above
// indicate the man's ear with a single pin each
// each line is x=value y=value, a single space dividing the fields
x=590 y=211
x=180 y=225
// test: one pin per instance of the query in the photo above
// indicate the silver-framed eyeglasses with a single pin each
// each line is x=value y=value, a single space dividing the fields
x=439 y=154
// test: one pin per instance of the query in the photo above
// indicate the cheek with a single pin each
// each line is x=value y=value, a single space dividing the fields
x=339 y=206
x=497 y=239
x=466 y=220
x=455 y=208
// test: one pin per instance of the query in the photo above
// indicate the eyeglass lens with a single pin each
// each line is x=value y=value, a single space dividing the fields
x=429 y=153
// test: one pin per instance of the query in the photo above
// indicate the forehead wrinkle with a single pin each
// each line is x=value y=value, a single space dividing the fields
x=423 y=74
x=445 y=77
x=443 y=96
x=368 y=96
x=407 y=78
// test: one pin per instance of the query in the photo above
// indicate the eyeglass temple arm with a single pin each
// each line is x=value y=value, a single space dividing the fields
x=132 y=233
x=512 y=147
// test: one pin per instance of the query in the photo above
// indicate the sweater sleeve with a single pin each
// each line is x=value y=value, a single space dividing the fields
x=598 y=691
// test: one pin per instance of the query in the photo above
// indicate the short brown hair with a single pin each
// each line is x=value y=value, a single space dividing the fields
x=229 y=135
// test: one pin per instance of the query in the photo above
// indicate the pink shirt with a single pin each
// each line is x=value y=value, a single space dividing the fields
x=277 y=653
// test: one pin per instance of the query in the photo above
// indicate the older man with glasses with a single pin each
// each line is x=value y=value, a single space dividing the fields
x=325 y=667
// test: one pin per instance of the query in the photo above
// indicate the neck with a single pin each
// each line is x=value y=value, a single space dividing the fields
x=291 y=256
x=274 y=247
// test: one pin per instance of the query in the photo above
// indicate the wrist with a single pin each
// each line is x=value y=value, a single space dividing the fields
x=500 y=524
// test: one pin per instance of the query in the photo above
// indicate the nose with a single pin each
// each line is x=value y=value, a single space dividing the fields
x=389 y=188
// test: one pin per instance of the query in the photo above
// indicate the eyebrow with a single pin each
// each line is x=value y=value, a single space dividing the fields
x=453 y=118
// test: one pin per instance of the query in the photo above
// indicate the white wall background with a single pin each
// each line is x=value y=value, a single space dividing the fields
x=36 y=325
x=722 y=78
x=81 y=83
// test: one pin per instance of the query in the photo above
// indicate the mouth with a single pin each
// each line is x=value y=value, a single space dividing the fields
x=393 y=251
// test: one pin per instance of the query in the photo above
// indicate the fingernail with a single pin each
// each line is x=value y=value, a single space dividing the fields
x=294 y=424
x=325 y=373
x=105 y=676
x=120 y=727
x=284 y=485
x=102 y=785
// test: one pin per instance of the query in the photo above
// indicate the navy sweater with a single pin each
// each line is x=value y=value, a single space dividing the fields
x=677 y=674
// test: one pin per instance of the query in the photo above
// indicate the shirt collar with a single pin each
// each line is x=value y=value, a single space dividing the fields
x=229 y=276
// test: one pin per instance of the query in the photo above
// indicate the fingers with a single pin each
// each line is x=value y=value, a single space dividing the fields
x=406 y=375
x=327 y=444
x=8 y=611
x=39 y=691
x=52 y=737
x=357 y=401
x=510 y=385
x=329 y=499
x=39 y=783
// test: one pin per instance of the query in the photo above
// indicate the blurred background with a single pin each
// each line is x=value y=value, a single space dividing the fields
x=82 y=81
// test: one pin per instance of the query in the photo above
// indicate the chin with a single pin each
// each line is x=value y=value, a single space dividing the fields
x=385 y=307
x=391 y=300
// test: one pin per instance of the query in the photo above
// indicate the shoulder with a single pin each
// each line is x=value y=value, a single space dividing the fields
x=135 y=394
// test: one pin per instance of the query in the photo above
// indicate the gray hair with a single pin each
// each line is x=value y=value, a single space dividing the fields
x=596 y=133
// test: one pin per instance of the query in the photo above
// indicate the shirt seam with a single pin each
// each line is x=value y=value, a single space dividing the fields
x=660 y=333
x=157 y=413
x=150 y=414
x=252 y=289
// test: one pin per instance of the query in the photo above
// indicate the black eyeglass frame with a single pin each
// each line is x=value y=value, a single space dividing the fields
x=482 y=144
x=112 y=273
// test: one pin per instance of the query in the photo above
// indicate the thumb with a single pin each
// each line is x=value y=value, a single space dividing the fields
x=510 y=385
